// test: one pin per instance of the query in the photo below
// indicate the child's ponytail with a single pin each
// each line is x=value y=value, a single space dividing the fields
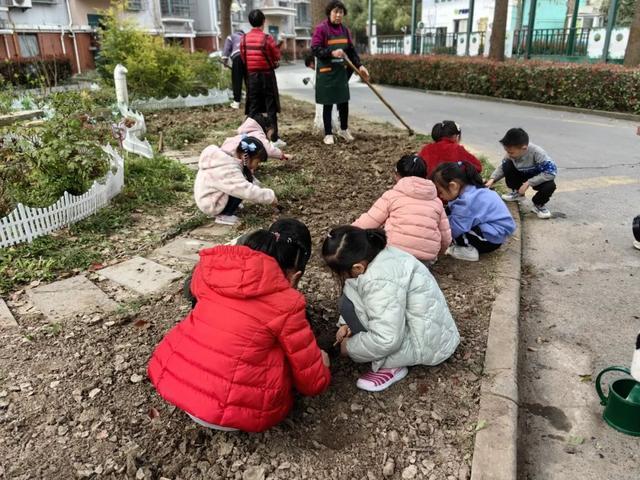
x=461 y=172
x=249 y=148
x=377 y=239
x=290 y=252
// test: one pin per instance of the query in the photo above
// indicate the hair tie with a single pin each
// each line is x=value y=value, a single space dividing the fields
x=414 y=159
x=248 y=147
x=277 y=235
x=329 y=235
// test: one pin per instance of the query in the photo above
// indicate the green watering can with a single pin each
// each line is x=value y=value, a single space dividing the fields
x=622 y=406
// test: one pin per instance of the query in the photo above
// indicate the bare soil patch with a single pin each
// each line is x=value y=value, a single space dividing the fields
x=75 y=401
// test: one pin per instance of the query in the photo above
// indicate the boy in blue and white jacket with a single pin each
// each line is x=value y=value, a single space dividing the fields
x=480 y=221
x=526 y=165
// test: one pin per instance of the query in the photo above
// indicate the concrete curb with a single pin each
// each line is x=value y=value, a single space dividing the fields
x=495 y=450
x=601 y=113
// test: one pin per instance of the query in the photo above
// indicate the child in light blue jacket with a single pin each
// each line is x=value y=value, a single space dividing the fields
x=480 y=221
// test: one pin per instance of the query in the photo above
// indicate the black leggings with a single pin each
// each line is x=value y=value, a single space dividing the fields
x=348 y=314
x=514 y=179
x=343 y=113
x=476 y=239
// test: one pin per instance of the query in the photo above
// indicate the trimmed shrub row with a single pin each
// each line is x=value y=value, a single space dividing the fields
x=599 y=87
x=34 y=72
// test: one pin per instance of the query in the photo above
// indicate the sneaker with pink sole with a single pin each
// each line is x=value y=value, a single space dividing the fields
x=382 y=379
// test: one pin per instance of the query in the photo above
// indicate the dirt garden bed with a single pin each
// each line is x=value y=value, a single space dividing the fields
x=75 y=401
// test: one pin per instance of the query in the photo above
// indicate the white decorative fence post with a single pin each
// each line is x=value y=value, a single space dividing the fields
x=120 y=80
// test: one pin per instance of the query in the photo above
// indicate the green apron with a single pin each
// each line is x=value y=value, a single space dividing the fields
x=332 y=81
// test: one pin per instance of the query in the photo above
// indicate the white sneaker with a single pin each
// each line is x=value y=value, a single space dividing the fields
x=468 y=253
x=636 y=244
x=226 y=219
x=279 y=143
x=541 y=211
x=382 y=379
x=512 y=196
x=235 y=105
x=328 y=140
x=346 y=135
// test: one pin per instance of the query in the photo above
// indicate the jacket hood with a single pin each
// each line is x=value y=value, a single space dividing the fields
x=213 y=155
x=248 y=126
x=240 y=272
x=417 y=187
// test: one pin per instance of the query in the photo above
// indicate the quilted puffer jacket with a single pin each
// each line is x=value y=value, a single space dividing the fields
x=405 y=314
x=413 y=217
x=235 y=360
x=220 y=175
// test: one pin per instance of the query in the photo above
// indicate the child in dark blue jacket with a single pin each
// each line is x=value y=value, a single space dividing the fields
x=480 y=221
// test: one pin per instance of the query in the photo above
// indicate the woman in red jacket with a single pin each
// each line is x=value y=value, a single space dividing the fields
x=446 y=147
x=234 y=361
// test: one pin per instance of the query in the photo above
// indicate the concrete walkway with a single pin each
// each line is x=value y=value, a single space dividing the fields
x=80 y=297
x=581 y=278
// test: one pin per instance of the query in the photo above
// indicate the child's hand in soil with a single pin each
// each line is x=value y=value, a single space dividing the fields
x=523 y=188
x=325 y=358
x=342 y=333
x=285 y=157
x=489 y=183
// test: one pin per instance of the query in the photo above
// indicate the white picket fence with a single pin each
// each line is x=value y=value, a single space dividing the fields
x=213 y=97
x=24 y=224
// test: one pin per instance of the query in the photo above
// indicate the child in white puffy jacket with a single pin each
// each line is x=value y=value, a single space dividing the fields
x=392 y=311
x=225 y=178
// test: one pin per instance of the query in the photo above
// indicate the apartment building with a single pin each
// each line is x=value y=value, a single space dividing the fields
x=34 y=28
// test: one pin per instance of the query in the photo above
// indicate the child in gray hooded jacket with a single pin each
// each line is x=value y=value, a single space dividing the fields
x=526 y=165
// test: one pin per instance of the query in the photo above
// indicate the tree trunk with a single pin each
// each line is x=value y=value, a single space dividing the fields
x=317 y=12
x=225 y=19
x=632 y=53
x=498 y=30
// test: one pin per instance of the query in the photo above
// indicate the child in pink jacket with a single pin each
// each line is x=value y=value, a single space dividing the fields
x=259 y=127
x=411 y=212
x=225 y=178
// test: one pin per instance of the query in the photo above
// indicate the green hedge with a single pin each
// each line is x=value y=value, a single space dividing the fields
x=600 y=87
x=34 y=72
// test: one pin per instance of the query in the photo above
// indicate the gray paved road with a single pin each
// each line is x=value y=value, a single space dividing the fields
x=584 y=287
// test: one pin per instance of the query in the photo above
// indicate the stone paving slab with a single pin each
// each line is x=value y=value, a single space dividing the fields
x=183 y=248
x=212 y=230
x=70 y=297
x=186 y=158
x=6 y=317
x=141 y=275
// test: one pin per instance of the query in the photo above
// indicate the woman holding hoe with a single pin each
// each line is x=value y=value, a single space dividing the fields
x=331 y=44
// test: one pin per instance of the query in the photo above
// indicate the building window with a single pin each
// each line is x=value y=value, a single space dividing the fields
x=29 y=44
x=175 y=8
x=302 y=14
x=134 y=5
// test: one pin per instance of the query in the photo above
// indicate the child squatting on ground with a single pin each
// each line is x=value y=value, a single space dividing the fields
x=480 y=222
x=446 y=147
x=413 y=216
x=233 y=363
x=392 y=312
x=526 y=165
x=225 y=178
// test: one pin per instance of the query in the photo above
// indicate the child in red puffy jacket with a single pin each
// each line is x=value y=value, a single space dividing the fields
x=233 y=363
x=446 y=147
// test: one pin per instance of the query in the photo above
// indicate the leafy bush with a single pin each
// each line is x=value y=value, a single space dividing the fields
x=154 y=69
x=35 y=72
x=601 y=87
x=38 y=164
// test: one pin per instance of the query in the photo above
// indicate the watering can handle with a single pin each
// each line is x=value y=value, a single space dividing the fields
x=603 y=399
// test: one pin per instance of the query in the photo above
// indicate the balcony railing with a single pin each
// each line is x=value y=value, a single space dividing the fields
x=175 y=8
x=551 y=41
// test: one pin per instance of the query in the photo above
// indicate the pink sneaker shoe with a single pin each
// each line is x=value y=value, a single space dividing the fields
x=382 y=379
